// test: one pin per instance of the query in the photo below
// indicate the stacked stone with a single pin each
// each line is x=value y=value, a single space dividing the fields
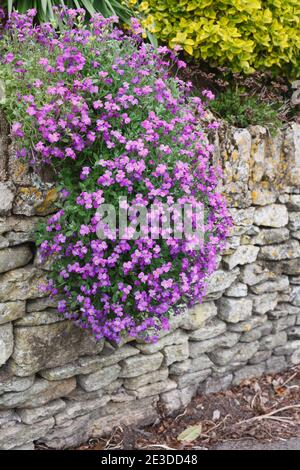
x=59 y=386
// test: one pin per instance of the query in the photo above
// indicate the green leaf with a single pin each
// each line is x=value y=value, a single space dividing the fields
x=190 y=434
x=101 y=7
x=10 y=6
x=152 y=39
x=2 y=92
x=44 y=4
x=110 y=7
x=88 y=5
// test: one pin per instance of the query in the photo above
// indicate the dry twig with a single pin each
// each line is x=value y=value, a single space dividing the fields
x=267 y=415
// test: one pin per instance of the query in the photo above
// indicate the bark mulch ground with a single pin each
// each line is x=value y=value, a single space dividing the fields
x=263 y=410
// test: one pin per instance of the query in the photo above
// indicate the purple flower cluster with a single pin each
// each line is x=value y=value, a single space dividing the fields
x=106 y=102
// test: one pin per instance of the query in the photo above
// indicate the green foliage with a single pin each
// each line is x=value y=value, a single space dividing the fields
x=242 y=110
x=246 y=35
x=45 y=7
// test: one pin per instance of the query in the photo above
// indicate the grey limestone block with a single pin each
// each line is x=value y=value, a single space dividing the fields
x=40 y=393
x=234 y=310
x=226 y=340
x=175 y=353
x=34 y=415
x=10 y=311
x=139 y=365
x=100 y=378
x=176 y=337
x=216 y=384
x=12 y=258
x=6 y=342
x=19 y=434
x=276 y=364
x=273 y=215
x=248 y=372
x=191 y=378
x=47 y=346
x=174 y=400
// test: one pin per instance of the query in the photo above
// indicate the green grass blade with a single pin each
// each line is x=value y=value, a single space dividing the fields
x=10 y=6
x=110 y=7
x=100 y=7
x=44 y=5
x=88 y=5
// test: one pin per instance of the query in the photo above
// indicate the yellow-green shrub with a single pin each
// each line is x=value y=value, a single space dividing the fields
x=245 y=35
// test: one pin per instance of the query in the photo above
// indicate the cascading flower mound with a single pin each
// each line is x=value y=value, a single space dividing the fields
x=108 y=112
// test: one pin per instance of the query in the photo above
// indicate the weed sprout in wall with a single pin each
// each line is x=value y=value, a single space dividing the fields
x=103 y=109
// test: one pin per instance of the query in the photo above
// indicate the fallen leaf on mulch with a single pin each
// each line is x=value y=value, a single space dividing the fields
x=190 y=434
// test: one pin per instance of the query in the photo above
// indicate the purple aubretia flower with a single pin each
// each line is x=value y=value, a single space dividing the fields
x=103 y=110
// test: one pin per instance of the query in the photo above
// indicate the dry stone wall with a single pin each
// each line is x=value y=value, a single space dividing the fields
x=58 y=386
